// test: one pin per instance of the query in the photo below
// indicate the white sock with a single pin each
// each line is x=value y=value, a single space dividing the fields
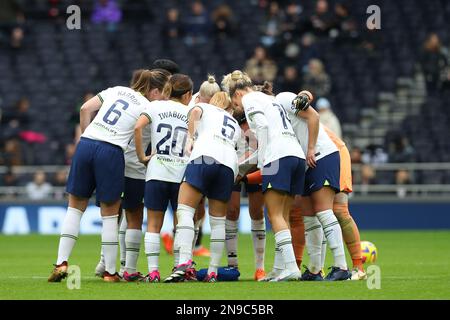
x=110 y=242
x=69 y=234
x=133 y=245
x=313 y=240
x=152 y=247
x=284 y=241
x=217 y=242
x=278 y=262
x=333 y=233
x=324 y=251
x=196 y=232
x=176 y=249
x=259 y=242
x=231 y=237
x=122 y=242
x=102 y=257
x=185 y=232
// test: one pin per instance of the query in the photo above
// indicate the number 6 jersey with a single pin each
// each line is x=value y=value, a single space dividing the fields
x=169 y=125
x=116 y=118
x=218 y=135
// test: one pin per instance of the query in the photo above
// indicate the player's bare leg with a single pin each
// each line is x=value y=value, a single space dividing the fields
x=278 y=206
x=258 y=225
x=69 y=235
x=199 y=218
x=350 y=233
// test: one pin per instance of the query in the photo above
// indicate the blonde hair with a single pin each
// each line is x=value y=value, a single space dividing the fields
x=235 y=81
x=209 y=88
x=221 y=99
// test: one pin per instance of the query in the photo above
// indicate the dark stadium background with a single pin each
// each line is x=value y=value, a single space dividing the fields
x=389 y=88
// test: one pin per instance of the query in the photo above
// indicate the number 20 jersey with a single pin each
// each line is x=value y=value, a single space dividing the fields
x=218 y=135
x=116 y=118
x=169 y=126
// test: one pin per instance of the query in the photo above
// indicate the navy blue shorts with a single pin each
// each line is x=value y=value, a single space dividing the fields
x=99 y=166
x=286 y=174
x=325 y=174
x=250 y=188
x=158 y=194
x=212 y=179
x=133 y=193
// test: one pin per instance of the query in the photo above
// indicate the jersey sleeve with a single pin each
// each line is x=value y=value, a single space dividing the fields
x=285 y=100
x=252 y=105
x=148 y=111
x=104 y=94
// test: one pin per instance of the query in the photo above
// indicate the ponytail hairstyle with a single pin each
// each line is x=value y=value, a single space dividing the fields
x=135 y=76
x=221 y=100
x=266 y=88
x=149 y=80
x=178 y=85
x=209 y=88
x=236 y=80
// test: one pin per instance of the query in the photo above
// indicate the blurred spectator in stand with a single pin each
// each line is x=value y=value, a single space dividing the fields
x=224 y=24
x=197 y=25
x=10 y=179
x=18 y=119
x=327 y=116
x=12 y=22
x=271 y=28
x=108 y=13
x=435 y=63
x=260 y=68
x=374 y=154
x=56 y=10
x=290 y=80
x=400 y=150
x=60 y=180
x=39 y=189
x=402 y=178
x=291 y=26
x=11 y=153
x=344 y=27
x=172 y=27
x=315 y=79
x=322 y=19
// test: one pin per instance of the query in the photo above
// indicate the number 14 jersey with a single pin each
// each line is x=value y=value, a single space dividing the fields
x=169 y=125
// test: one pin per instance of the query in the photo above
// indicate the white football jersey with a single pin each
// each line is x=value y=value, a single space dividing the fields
x=192 y=102
x=115 y=121
x=218 y=135
x=169 y=132
x=324 y=145
x=282 y=140
x=133 y=167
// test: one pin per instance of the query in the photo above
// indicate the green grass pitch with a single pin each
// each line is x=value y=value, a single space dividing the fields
x=414 y=265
